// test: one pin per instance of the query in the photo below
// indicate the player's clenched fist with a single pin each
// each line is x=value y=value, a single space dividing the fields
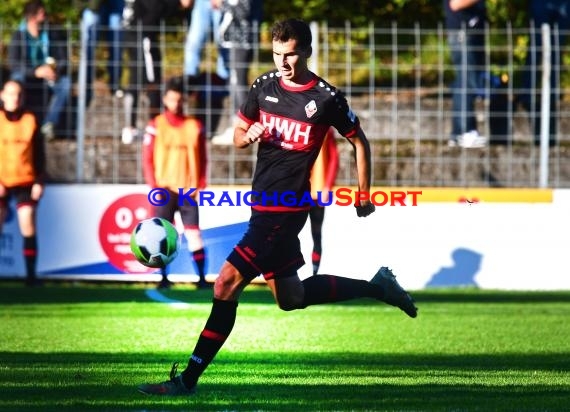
x=254 y=133
x=363 y=210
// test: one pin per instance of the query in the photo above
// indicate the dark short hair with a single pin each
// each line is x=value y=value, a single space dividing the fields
x=174 y=84
x=32 y=7
x=293 y=29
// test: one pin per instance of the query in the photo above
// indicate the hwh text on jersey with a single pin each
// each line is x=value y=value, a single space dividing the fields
x=291 y=132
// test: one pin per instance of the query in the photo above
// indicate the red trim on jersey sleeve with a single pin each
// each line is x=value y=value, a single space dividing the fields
x=245 y=119
x=148 y=153
x=352 y=133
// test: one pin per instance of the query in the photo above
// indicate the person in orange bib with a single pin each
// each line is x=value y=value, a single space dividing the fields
x=22 y=169
x=174 y=157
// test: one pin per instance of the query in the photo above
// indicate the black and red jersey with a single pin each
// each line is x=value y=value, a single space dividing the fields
x=296 y=120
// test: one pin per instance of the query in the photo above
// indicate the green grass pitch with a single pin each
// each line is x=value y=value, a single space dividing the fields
x=85 y=347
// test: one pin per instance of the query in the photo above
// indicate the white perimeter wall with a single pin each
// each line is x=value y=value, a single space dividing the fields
x=491 y=245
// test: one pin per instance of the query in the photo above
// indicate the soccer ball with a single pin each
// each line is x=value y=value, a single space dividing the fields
x=154 y=242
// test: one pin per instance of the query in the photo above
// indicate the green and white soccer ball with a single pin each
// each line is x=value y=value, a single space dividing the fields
x=155 y=242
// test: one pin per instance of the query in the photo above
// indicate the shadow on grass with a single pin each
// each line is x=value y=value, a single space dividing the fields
x=60 y=293
x=288 y=382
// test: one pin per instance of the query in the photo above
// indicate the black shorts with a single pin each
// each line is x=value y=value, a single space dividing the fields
x=270 y=246
x=188 y=213
x=22 y=194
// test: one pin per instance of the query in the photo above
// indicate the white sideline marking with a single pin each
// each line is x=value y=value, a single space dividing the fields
x=155 y=295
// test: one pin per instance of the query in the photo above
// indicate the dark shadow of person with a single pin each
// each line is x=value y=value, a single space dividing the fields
x=466 y=264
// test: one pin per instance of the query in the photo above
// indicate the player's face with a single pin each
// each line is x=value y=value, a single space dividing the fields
x=290 y=61
x=11 y=96
x=173 y=101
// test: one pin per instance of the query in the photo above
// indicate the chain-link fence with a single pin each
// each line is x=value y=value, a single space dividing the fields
x=397 y=81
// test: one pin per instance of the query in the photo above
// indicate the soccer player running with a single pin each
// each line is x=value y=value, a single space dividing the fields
x=22 y=169
x=288 y=112
x=174 y=156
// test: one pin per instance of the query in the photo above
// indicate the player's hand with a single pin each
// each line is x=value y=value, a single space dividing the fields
x=254 y=133
x=2 y=190
x=365 y=209
x=37 y=191
x=45 y=72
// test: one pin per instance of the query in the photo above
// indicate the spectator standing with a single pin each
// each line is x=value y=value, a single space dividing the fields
x=22 y=169
x=141 y=21
x=174 y=157
x=238 y=33
x=323 y=176
x=37 y=57
x=555 y=13
x=103 y=17
x=205 y=18
x=465 y=22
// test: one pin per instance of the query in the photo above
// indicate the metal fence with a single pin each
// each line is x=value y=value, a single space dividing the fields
x=395 y=78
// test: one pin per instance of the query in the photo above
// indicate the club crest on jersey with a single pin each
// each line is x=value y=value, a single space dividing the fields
x=311 y=108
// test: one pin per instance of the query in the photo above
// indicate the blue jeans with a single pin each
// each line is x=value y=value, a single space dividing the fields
x=106 y=21
x=556 y=13
x=61 y=91
x=46 y=101
x=468 y=56
x=204 y=21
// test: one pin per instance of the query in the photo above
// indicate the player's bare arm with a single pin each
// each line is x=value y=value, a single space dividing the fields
x=362 y=155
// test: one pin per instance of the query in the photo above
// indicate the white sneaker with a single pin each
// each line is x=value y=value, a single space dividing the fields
x=48 y=131
x=226 y=138
x=472 y=140
x=128 y=135
x=452 y=142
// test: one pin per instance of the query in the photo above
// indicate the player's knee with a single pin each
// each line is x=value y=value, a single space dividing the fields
x=229 y=282
x=290 y=303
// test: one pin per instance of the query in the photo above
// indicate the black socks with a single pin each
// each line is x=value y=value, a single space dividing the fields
x=218 y=327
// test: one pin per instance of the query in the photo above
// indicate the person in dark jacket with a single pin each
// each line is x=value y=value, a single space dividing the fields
x=102 y=18
x=465 y=21
x=141 y=20
x=555 y=13
x=37 y=57
x=238 y=33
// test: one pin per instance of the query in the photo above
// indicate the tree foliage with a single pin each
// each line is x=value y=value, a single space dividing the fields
x=407 y=13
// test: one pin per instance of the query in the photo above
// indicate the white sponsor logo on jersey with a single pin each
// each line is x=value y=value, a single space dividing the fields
x=287 y=130
x=311 y=109
x=272 y=99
